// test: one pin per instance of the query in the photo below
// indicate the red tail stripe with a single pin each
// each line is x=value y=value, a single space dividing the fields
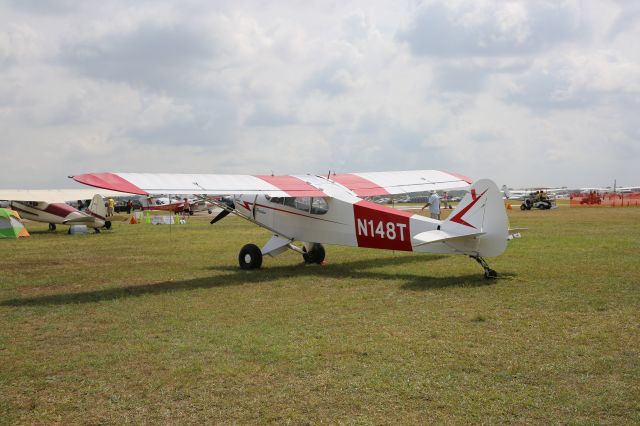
x=458 y=217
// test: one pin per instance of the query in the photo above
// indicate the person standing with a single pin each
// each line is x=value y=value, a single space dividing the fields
x=110 y=206
x=186 y=209
x=445 y=200
x=434 y=205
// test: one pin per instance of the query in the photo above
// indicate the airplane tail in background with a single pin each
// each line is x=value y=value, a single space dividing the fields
x=506 y=192
x=97 y=206
x=481 y=215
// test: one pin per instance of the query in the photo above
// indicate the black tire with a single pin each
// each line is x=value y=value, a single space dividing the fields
x=315 y=254
x=523 y=207
x=190 y=212
x=107 y=224
x=52 y=227
x=250 y=257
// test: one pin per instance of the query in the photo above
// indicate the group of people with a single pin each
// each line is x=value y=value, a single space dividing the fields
x=540 y=196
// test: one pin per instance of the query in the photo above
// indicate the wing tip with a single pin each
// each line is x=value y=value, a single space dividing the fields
x=109 y=181
x=459 y=176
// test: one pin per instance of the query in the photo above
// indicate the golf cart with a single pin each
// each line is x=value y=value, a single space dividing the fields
x=538 y=200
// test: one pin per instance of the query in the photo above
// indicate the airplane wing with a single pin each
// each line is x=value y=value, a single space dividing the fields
x=402 y=182
x=55 y=195
x=363 y=184
x=209 y=184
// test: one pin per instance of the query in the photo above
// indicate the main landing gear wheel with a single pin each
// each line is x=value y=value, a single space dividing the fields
x=107 y=225
x=52 y=227
x=250 y=257
x=315 y=254
x=489 y=273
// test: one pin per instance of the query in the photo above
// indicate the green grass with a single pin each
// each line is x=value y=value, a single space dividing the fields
x=148 y=324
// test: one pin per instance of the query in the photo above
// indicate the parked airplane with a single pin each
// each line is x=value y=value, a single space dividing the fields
x=628 y=189
x=176 y=204
x=522 y=194
x=48 y=206
x=318 y=210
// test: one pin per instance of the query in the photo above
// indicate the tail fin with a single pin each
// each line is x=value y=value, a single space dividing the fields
x=506 y=192
x=481 y=212
x=97 y=206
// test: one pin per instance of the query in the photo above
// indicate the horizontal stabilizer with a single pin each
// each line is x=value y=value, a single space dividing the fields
x=439 y=236
x=512 y=230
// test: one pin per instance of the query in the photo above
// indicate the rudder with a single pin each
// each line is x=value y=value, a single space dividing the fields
x=481 y=210
x=97 y=206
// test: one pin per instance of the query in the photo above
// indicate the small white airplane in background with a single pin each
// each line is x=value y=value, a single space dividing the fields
x=318 y=210
x=521 y=194
x=627 y=189
x=48 y=206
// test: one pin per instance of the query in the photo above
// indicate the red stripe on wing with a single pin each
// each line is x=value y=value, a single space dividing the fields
x=109 y=181
x=293 y=186
x=459 y=176
x=361 y=186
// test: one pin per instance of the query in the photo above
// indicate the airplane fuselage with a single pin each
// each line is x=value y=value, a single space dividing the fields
x=55 y=213
x=342 y=218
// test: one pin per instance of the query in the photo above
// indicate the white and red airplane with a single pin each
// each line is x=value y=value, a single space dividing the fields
x=48 y=206
x=176 y=204
x=318 y=210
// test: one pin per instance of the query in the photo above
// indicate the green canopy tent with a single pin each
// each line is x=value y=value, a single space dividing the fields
x=10 y=225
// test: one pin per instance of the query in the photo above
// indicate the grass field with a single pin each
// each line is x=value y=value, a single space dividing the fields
x=156 y=324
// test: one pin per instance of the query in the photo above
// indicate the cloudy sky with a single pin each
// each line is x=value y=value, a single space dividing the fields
x=526 y=93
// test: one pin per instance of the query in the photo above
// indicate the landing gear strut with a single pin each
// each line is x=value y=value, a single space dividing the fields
x=488 y=272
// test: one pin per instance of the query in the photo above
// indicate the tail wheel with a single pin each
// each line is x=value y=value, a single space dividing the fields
x=250 y=257
x=315 y=254
x=490 y=274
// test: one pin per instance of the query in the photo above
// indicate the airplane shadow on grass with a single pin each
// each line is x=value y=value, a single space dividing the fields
x=230 y=276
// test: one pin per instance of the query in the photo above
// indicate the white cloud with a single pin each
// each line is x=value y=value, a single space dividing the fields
x=480 y=88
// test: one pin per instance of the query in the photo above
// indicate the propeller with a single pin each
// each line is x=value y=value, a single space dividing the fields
x=225 y=212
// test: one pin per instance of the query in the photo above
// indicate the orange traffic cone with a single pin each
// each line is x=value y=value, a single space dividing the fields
x=133 y=220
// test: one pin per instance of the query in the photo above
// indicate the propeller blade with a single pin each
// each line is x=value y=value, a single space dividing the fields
x=220 y=216
x=224 y=213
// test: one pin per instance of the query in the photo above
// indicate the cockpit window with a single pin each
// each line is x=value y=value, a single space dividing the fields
x=275 y=200
x=314 y=205
x=319 y=205
x=300 y=203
